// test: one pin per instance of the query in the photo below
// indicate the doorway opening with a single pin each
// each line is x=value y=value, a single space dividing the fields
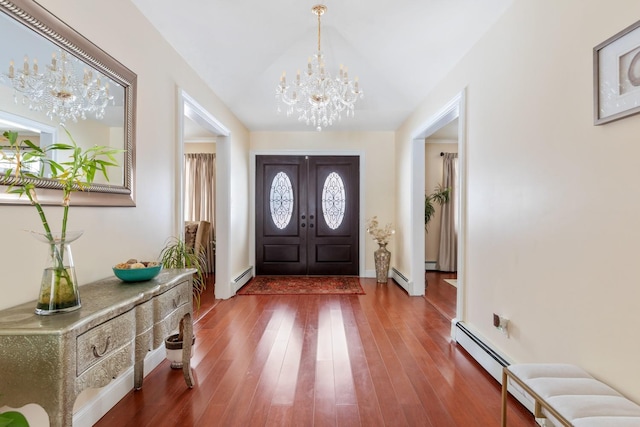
x=196 y=120
x=451 y=112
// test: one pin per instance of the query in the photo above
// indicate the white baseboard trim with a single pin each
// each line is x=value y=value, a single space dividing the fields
x=106 y=398
x=487 y=357
x=242 y=279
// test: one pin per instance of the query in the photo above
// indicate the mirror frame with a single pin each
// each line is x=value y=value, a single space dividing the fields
x=36 y=18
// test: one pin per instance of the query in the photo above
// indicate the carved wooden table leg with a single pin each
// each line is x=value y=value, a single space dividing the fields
x=138 y=374
x=186 y=349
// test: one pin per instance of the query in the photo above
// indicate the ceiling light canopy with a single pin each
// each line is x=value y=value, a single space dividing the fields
x=316 y=97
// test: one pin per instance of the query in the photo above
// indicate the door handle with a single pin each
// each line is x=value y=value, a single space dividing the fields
x=303 y=225
x=310 y=225
x=310 y=217
x=304 y=217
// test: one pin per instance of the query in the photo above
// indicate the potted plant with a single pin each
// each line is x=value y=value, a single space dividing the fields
x=13 y=419
x=177 y=254
x=59 y=287
x=174 y=344
x=441 y=196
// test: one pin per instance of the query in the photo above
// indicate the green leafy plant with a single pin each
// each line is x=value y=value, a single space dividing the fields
x=441 y=196
x=77 y=173
x=13 y=419
x=176 y=254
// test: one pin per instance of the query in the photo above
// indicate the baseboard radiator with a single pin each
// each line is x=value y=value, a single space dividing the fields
x=487 y=357
x=242 y=279
x=401 y=279
x=430 y=266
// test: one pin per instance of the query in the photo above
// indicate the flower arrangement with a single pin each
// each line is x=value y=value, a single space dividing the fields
x=380 y=235
x=59 y=287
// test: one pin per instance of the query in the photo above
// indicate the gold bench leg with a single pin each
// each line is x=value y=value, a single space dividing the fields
x=504 y=397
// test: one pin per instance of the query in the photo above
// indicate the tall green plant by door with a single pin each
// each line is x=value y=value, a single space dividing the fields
x=176 y=254
x=441 y=196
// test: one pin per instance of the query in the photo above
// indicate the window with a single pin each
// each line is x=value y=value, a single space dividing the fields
x=281 y=200
x=333 y=200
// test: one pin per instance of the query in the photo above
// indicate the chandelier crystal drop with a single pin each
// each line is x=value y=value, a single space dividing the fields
x=60 y=91
x=316 y=97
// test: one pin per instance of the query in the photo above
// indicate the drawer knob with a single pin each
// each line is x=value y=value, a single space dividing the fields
x=97 y=353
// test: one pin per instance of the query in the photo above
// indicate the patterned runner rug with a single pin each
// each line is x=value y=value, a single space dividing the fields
x=302 y=285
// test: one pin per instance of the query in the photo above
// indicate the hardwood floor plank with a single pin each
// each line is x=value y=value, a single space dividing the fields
x=345 y=393
x=272 y=369
x=304 y=400
x=348 y=416
x=386 y=397
x=379 y=359
x=280 y=416
x=285 y=389
x=368 y=407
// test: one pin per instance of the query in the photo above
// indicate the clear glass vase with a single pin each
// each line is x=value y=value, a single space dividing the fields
x=382 y=257
x=59 y=287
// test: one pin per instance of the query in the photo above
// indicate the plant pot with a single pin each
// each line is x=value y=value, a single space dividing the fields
x=173 y=346
x=59 y=286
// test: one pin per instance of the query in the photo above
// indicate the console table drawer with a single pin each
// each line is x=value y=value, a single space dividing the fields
x=99 y=343
x=108 y=368
x=171 y=300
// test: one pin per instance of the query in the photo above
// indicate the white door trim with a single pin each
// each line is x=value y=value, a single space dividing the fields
x=188 y=106
x=455 y=108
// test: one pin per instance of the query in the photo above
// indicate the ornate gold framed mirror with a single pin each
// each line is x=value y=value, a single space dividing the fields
x=96 y=105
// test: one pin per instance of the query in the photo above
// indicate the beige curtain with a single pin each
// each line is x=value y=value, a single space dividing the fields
x=448 y=252
x=200 y=195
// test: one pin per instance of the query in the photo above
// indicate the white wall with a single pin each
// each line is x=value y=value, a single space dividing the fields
x=553 y=209
x=377 y=161
x=122 y=31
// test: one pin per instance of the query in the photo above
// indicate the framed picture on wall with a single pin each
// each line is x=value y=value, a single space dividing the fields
x=616 y=73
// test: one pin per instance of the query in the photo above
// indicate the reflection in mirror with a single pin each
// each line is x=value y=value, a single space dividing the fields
x=50 y=76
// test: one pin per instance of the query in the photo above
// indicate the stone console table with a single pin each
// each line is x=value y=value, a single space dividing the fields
x=49 y=360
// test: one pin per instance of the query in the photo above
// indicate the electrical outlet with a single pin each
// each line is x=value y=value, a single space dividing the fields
x=501 y=323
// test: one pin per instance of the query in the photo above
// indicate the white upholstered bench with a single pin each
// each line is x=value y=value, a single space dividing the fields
x=570 y=396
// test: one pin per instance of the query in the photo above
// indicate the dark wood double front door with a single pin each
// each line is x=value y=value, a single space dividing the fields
x=307 y=215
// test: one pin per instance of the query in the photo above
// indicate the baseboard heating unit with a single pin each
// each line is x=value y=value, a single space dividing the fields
x=242 y=279
x=401 y=280
x=487 y=357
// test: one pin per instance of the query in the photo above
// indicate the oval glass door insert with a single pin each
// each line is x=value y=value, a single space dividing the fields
x=281 y=200
x=333 y=200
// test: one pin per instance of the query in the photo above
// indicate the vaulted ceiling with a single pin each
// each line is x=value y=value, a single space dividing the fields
x=400 y=49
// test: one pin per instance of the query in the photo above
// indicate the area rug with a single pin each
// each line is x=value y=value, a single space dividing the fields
x=452 y=282
x=302 y=285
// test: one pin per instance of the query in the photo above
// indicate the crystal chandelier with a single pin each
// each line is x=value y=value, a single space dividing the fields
x=318 y=98
x=60 y=91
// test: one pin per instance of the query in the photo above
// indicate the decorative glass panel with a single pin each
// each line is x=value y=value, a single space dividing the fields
x=333 y=200
x=281 y=200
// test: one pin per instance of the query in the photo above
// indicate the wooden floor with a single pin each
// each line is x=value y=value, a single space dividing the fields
x=380 y=359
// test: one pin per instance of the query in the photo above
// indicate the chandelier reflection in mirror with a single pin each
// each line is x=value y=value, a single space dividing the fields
x=318 y=98
x=60 y=91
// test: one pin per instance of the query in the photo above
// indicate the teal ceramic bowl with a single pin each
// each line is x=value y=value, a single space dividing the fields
x=137 y=274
